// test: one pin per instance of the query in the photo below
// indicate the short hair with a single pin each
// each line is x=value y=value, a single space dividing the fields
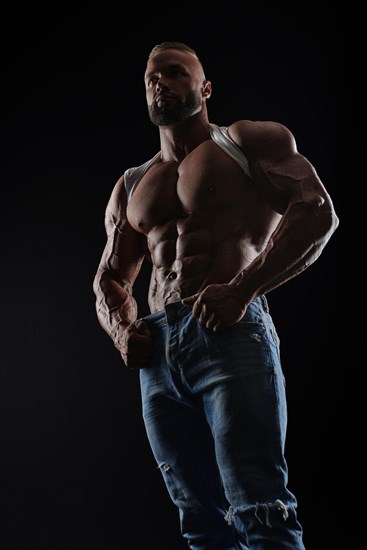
x=172 y=46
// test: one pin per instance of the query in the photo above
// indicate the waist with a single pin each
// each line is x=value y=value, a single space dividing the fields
x=257 y=311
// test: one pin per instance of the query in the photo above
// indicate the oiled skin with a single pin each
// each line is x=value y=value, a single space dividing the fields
x=216 y=237
x=203 y=220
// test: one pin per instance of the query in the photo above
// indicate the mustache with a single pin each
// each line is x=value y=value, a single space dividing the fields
x=163 y=95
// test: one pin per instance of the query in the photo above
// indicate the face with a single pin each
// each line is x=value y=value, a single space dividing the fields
x=174 y=87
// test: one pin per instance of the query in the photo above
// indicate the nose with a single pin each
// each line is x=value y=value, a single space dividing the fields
x=160 y=86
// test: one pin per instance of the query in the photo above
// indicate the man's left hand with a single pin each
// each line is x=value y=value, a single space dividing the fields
x=217 y=306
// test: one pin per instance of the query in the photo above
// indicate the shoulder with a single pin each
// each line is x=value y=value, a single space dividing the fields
x=127 y=183
x=117 y=201
x=263 y=139
x=132 y=176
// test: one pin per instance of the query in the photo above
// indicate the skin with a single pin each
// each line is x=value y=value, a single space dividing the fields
x=215 y=237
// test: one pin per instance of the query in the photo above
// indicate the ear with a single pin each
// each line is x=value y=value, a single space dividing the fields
x=207 y=89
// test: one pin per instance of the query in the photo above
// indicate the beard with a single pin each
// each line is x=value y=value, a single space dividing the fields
x=172 y=114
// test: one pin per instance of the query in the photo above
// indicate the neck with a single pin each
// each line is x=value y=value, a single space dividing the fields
x=179 y=140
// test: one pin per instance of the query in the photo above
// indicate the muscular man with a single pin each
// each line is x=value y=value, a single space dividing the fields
x=225 y=215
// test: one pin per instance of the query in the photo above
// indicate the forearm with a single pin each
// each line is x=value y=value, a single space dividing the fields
x=296 y=243
x=116 y=307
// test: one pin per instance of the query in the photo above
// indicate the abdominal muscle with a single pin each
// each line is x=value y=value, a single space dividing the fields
x=203 y=221
x=195 y=251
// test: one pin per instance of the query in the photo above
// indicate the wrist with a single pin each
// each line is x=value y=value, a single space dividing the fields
x=243 y=289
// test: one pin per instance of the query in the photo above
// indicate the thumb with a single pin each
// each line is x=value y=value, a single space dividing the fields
x=142 y=327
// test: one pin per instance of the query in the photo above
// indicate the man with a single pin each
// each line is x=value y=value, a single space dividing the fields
x=225 y=215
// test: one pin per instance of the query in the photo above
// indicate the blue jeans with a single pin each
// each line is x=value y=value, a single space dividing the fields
x=215 y=412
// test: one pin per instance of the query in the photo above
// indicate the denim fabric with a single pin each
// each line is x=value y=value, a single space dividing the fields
x=215 y=412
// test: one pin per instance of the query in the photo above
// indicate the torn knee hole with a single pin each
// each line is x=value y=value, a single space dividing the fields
x=266 y=508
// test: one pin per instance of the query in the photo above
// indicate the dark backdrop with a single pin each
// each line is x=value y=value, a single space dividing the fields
x=76 y=469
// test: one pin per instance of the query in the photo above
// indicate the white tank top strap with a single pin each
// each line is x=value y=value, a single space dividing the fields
x=221 y=137
x=132 y=176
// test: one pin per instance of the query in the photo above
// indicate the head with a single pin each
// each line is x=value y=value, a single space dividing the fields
x=175 y=84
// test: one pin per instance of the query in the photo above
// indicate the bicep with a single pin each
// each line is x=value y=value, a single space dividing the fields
x=281 y=174
x=287 y=180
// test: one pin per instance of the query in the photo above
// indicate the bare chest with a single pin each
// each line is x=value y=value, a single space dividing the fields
x=207 y=179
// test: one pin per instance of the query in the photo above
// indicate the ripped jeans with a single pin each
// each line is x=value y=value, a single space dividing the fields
x=214 y=408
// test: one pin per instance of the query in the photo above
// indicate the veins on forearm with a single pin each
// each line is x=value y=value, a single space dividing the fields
x=296 y=243
x=115 y=306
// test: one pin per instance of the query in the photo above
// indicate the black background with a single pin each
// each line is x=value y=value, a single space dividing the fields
x=76 y=469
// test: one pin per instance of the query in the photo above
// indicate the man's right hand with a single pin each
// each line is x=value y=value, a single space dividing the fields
x=136 y=345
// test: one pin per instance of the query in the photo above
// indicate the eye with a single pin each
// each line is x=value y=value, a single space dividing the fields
x=178 y=72
x=152 y=80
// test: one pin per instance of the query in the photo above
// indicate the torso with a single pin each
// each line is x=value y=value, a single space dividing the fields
x=203 y=220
